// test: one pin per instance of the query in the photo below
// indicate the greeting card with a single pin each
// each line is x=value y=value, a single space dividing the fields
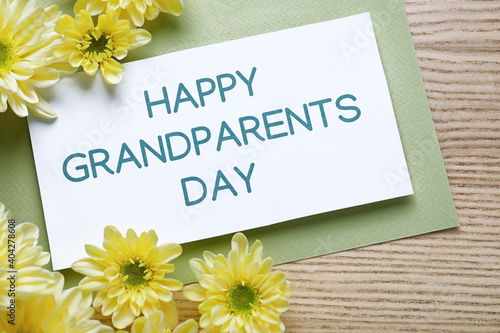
x=219 y=139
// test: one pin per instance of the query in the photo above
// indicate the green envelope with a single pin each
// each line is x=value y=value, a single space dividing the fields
x=206 y=22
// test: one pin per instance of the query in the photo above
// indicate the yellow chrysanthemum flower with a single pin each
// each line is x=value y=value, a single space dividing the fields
x=129 y=275
x=98 y=46
x=134 y=10
x=27 y=37
x=155 y=323
x=240 y=293
x=61 y=311
x=20 y=253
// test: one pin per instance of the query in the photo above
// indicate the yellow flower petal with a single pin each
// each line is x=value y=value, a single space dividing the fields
x=22 y=71
x=233 y=263
x=111 y=71
x=58 y=311
x=109 y=306
x=141 y=6
x=71 y=299
x=83 y=22
x=189 y=326
x=4 y=12
x=62 y=66
x=270 y=316
x=123 y=317
x=32 y=280
x=173 y=7
x=30 y=34
x=44 y=77
x=89 y=267
x=8 y=82
x=239 y=243
x=205 y=319
x=90 y=67
x=132 y=240
x=209 y=257
x=64 y=24
x=27 y=92
x=209 y=304
x=151 y=13
x=129 y=277
x=135 y=15
x=76 y=59
x=3 y=101
x=170 y=284
x=98 y=47
x=28 y=24
x=281 y=304
x=96 y=283
x=163 y=294
x=42 y=109
x=18 y=106
x=139 y=325
x=94 y=7
x=256 y=251
x=194 y=292
x=265 y=267
x=138 y=37
x=95 y=252
x=198 y=267
x=208 y=281
x=112 y=235
x=52 y=14
x=220 y=315
x=240 y=293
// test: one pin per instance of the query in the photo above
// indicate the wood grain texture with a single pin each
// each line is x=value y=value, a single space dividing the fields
x=447 y=281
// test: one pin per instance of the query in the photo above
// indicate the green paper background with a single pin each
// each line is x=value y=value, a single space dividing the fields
x=206 y=22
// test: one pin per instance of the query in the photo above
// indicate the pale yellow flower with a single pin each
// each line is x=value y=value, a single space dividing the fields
x=67 y=311
x=27 y=37
x=134 y=10
x=129 y=276
x=155 y=323
x=239 y=293
x=21 y=261
x=98 y=46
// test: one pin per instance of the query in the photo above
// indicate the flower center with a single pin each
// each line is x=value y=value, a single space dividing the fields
x=134 y=274
x=7 y=57
x=242 y=298
x=95 y=43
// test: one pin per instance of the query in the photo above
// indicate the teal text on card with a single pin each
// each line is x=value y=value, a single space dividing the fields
x=221 y=183
x=224 y=83
x=175 y=146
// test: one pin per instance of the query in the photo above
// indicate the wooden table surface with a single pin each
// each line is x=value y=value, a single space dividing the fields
x=447 y=281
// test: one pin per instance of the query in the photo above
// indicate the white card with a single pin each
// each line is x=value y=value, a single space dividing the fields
x=256 y=131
